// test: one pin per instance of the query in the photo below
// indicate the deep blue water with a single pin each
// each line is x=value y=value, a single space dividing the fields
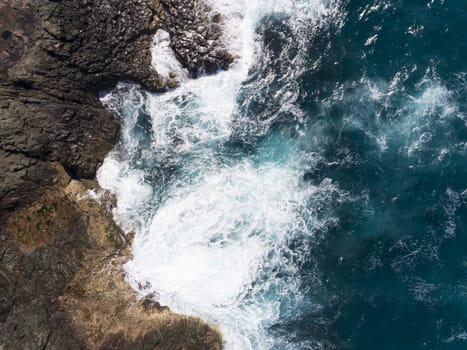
x=393 y=270
x=343 y=167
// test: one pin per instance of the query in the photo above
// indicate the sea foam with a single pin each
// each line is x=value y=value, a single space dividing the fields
x=212 y=236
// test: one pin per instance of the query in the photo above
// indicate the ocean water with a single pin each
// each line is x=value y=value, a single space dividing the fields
x=314 y=196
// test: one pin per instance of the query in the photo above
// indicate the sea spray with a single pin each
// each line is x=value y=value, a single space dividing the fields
x=212 y=231
x=312 y=196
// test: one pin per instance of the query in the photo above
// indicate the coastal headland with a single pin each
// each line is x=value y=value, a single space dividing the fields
x=61 y=280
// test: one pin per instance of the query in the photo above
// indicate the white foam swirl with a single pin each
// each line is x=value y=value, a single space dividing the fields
x=213 y=239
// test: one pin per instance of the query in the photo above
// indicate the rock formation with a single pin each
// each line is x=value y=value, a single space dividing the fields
x=61 y=283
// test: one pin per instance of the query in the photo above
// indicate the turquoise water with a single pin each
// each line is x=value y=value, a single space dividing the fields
x=322 y=202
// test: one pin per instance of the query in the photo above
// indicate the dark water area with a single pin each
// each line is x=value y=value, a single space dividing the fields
x=323 y=205
x=384 y=96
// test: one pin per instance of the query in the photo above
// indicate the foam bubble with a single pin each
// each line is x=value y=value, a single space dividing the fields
x=130 y=188
x=215 y=243
x=205 y=244
x=425 y=115
x=217 y=248
x=164 y=60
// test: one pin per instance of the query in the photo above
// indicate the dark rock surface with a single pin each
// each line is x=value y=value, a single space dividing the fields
x=59 y=56
x=55 y=58
x=33 y=274
x=62 y=286
x=196 y=39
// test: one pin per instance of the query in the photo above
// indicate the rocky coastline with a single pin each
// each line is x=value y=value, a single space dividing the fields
x=61 y=281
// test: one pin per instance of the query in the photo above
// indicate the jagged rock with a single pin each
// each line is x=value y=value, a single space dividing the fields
x=196 y=39
x=61 y=282
x=56 y=56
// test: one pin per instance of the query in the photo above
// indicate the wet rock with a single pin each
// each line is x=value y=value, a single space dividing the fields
x=102 y=305
x=196 y=34
x=61 y=281
x=62 y=285
x=56 y=56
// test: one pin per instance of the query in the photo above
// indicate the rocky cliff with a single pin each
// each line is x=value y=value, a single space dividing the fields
x=61 y=284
